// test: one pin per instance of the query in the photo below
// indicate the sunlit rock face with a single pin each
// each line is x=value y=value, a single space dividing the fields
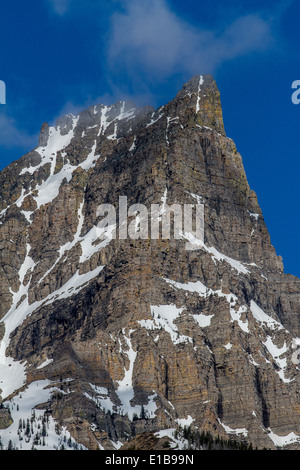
x=108 y=338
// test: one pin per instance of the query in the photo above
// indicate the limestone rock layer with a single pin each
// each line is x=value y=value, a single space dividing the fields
x=104 y=338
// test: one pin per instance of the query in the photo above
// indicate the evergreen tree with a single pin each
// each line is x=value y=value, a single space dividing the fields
x=10 y=445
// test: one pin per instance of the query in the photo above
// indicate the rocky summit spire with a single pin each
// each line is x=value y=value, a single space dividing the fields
x=44 y=135
x=120 y=335
x=201 y=94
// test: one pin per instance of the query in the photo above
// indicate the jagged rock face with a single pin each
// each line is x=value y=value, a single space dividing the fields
x=120 y=337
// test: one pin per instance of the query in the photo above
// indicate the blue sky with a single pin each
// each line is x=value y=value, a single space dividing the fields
x=59 y=56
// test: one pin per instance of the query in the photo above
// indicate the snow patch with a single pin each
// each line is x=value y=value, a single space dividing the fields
x=178 y=442
x=125 y=389
x=276 y=353
x=204 y=292
x=282 y=441
x=254 y=215
x=30 y=424
x=153 y=121
x=201 y=81
x=45 y=363
x=216 y=255
x=263 y=318
x=164 y=317
x=185 y=421
x=237 y=431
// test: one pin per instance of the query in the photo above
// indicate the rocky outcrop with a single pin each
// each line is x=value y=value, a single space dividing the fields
x=139 y=335
x=5 y=418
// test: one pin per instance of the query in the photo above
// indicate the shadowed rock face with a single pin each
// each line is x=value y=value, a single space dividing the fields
x=139 y=335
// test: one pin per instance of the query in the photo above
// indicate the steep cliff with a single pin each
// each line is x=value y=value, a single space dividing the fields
x=108 y=338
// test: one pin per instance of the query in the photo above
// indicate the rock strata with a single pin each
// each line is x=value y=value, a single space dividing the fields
x=114 y=338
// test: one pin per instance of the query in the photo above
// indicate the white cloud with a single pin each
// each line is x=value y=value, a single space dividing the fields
x=149 y=40
x=12 y=136
x=60 y=6
x=144 y=43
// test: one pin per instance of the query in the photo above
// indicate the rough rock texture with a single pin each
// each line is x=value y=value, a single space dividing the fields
x=133 y=336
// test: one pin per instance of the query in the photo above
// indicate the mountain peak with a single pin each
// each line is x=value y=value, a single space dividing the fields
x=118 y=335
x=201 y=94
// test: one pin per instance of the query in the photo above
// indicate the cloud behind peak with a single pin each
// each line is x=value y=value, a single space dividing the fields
x=148 y=40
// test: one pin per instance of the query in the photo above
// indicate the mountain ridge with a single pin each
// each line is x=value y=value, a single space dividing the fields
x=121 y=337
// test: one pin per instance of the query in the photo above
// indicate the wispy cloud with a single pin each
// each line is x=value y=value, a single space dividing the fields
x=149 y=40
x=145 y=44
x=60 y=7
x=13 y=136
